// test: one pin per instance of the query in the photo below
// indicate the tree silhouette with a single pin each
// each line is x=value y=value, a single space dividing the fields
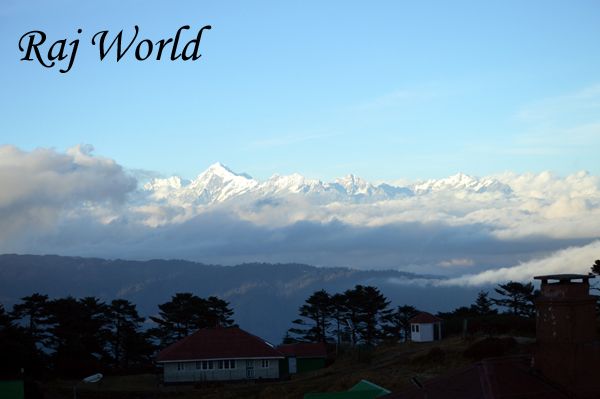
x=399 y=322
x=218 y=312
x=316 y=315
x=186 y=313
x=78 y=333
x=13 y=347
x=374 y=314
x=596 y=267
x=483 y=305
x=360 y=313
x=125 y=335
x=339 y=310
x=33 y=309
x=516 y=297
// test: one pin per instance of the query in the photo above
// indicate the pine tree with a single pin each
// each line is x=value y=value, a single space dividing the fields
x=339 y=311
x=399 y=322
x=186 y=313
x=596 y=267
x=78 y=333
x=218 y=312
x=316 y=314
x=517 y=297
x=125 y=335
x=483 y=305
x=369 y=313
x=18 y=352
x=33 y=310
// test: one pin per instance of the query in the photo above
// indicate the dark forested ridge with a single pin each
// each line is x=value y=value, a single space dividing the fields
x=264 y=296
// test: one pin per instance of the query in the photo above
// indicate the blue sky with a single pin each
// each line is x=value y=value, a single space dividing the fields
x=384 y=90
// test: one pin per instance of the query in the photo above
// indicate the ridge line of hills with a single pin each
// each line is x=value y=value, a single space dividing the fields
x=265 y=297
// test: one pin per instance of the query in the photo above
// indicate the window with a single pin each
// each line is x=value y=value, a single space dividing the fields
x=265 y=363
x=224 y=364
x=180 y=366
x=416 y=328
x=204 y=365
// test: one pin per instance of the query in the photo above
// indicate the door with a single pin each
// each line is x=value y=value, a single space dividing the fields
x=250 y=369
x=292 y=365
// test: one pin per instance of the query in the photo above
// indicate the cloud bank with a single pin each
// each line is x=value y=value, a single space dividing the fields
x=570 y=260
x=76 y=203
x=41 y=187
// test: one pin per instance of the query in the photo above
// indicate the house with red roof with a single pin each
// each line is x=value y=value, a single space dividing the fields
x=220 y=354
x=425 y=327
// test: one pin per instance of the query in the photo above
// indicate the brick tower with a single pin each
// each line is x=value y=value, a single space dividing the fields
x=568 y=350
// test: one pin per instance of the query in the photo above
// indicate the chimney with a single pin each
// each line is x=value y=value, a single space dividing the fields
x=568 y=350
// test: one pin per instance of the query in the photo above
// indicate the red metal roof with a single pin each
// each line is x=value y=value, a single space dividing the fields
x=507 y=377
x=304 y=350
x=424 y=318
x=218 y=343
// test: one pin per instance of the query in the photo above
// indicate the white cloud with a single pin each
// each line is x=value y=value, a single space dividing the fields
x=570 y=260
x=37 y=187
x=79 y=204
x=457 y=262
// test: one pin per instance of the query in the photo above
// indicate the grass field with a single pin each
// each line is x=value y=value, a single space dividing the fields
x=390 y=366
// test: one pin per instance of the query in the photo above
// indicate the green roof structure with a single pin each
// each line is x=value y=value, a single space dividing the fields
x=363 y=390
x=12 y=389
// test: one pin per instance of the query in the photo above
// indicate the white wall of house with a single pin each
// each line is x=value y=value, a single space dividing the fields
x=421 y=332
x=192 y=371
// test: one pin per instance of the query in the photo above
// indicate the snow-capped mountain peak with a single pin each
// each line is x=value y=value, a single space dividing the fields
x=355 y=185
x=294 y=183
x=218 y=184
x=461 y=181
x=222 y=171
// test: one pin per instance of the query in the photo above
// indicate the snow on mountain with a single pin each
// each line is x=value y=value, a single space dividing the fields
x=460 y=181
x=294 y=183
x=355 y=185
x=219 y=184
x=161 y=188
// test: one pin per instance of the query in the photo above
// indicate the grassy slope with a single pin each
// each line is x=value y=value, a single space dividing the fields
x=388 y=366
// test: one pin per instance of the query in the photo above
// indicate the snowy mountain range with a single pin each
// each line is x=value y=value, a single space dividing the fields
x=219 y=184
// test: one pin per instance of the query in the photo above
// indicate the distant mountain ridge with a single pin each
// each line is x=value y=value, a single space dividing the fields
x=265 y=297
x=219 y=184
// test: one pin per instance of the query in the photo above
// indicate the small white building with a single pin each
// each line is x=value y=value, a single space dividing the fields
x=220 y=354
x=425 y=327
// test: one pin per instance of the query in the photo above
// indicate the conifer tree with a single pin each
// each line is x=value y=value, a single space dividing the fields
x=483 y=305
x=368 y=313
x=186 y=313
x=399 y=322
x=596 y=267
x=316 y=315
x=33 y=311
x=516 y=297
x=125 y=335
